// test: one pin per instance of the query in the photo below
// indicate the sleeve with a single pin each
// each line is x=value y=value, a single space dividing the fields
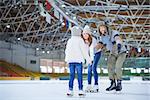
x=118 y=41
x=114 y=33
x=66 y=51
x=84 y=51
x=92 y=52
x=92 y=48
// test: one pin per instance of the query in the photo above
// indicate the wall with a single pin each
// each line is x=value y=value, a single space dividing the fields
x=18 y=54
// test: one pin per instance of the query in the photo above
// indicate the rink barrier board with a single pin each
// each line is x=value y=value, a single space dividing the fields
x=44 y=78
x=64 y=78
x=125 y=78
x=15 y=78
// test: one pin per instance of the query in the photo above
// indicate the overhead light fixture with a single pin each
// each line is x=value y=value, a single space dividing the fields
x=20 y=5
x=63 y=6
x=48 y=52
x=127 y=51
x=37 y=48
x=43 y=51
x=95 y=31
x=63 y=24
x=67 y=13
x=18 y=39
x=139 y=49
x=74 y=17
x=8 y=26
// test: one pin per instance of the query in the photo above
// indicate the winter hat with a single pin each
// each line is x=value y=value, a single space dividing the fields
x=87 y=30
x=75 y=31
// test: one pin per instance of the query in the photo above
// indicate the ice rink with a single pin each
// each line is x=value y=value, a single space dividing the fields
x=56 y=90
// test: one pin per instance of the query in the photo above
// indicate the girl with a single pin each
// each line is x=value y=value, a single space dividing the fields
x=75 y=54
x=95 y=53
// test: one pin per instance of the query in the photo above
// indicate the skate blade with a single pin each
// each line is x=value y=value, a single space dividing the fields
x=87 y=91
x=81 y=95
x=118 y=92
x=69 y=95
x=110 y=92
x=94 y=91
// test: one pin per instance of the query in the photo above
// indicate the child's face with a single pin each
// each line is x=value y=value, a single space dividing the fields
x=102 y=30
x=85 y=36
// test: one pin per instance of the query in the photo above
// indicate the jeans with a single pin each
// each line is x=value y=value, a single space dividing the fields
x=73 y=67
x=93 y=68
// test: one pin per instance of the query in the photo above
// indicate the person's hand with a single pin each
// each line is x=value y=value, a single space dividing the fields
x=104 y=49
x=99 y=46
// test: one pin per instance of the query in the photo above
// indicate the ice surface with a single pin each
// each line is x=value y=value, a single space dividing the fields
x=56 y=90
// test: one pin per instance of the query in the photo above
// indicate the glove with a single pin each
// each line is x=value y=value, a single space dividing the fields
x=113 y=42
x=119 y=47
x=104 y=49
x=105 y=45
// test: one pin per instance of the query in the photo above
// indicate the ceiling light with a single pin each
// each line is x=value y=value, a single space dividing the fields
x=74 y=17
x=139 y=49
x=67 y=13
x=63 y=6
x=8 y=26
x=63 y=24
x=95 y=31
x=48 y=52
x=18 y=39
x=37 y=48
x=43 y=51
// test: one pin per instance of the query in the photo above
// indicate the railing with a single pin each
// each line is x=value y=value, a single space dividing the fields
x=141 y=62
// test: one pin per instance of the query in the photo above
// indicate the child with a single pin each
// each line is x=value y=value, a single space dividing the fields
x=76 y=52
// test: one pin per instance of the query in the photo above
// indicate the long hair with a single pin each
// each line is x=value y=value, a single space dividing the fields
x=106 y=27
x=89 y=39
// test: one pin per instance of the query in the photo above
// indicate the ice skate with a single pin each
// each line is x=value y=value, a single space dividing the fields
x=119 y=86
x=95 y=89
x=81 y=93
x=112 y=86
x=88 y=88
x=70 y=93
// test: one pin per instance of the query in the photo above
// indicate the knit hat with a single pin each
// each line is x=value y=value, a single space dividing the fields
x=75 y=31
x=87 y=30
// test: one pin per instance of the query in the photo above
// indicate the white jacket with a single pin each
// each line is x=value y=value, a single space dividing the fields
x=92 y=48
x=77 y=51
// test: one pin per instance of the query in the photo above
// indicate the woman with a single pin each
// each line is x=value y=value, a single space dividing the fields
x=95 y=53
x=114 y=44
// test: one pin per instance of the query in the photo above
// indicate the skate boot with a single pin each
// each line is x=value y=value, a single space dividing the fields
x=70 y=93
x=119 y=86
x=112 y=86
x=88 y=88
x=95 y=89
x=81 y=93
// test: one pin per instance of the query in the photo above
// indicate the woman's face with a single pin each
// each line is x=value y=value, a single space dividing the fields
x=85 y=36
x=102 y=30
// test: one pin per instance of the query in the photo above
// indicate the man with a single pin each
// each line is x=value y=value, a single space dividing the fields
x=114 y=44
